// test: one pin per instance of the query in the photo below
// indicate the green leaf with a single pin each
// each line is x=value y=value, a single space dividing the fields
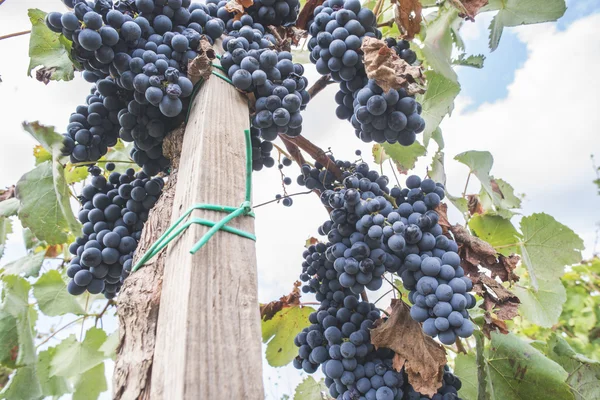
x=473 y=61
x=45 y=206
x=28 y=265
x=437 y=171
x=516 y=370
x=9 y=207
x=41 y=154
x=524 y=12
x=50 y=290
x=279 y=333
x=437 y=46
x=49 y=49
x=51 y=385
x=495 y=230
x=584 y=373
x=90 y=384
x=45 y=135
x=547 y=247
x=75 y=174
x=15 y=301
x=404 y=157
x=5 y=230
x=9 y=338
x=437 y=101
x=109 y=348
x=465 y=367
x=544 y=305
x=24 y=385
x=73 y=357
x=310 y=389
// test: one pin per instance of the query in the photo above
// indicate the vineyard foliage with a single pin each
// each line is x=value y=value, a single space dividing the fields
x=538 y=309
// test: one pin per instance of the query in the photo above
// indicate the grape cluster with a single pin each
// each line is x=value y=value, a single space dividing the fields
x=276 y=82
x=368 y=235
x=319 y=177
x=93 y=127
x=139 y=52
x=431 y=270
x=264 y=12
x=113 y=214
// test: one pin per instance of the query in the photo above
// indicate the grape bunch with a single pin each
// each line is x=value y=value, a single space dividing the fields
x=113 y=214
x=431 y=269
x=137 y=51
x=264 y=12
x=277 y=83
x=93 y=127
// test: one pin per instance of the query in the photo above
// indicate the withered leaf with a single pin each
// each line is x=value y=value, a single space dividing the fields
x=44 y=74
x=238 y=6
x=423 y=359
x=499 y=303
x=310 y=241
x=268 y=311
x=54 y=251
x=407 y=14
x=7 y=193
x=496 y=188
x=474 y=205
x=389 y=70
x=470 y=8
x=281 y=36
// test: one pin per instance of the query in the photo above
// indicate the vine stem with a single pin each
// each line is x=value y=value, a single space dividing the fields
x=315 y=152
x=466 y=185
x=319 y=85
x=481 y=382
x=10 y=35
x=283 y=197
x=78 y=164
x=60 y=329
x=101 y=314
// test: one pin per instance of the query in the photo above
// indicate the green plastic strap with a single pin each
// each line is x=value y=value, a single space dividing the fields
x=222 y=77
x=217 y=66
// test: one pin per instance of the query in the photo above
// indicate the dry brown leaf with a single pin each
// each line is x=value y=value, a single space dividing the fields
x=469 y=8
x=7 y=193
x=306 y=14
x=44 y=74
x=268 y=311
x=310 y=241
x=496 y=188
x=389 y=70
x=238 y=7
x=201 y=66
x=407 y=14
x=442 y=211
x=54 y=251
x=474 y=204
x=422 y=358
x=499 y=303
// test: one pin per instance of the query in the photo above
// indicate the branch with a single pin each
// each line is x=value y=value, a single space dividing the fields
x=315 y=152
x=307 y=13
x=319 y=85
x=377 y=9
x=13 y=34
x=389 y=22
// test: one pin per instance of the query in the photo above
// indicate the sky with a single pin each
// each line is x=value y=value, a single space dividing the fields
x=534 y=106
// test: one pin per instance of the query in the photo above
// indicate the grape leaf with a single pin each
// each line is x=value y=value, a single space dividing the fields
x=404 y=157
x=109 y=348
x=50 y=290
x=522 y=12
x=584 y=373
x=465 y=367
x=45 y=135
x=51 y=385
x=473 y=61
x=544 y=305
x=495 y=230
x=437 y=46
x=15 y=301
x=9 y=207
x=73 y=357
x=5 y=230
x=45 y=207
x=49 y=49
x=9 y=339
x=41 y=154
x=75 y=174
x=547 y=247
x=24 y=385
x=516 y=370
x=437 y=171
x=90 y=384
x=310 y=389
x=437 y=101
x=279 y=333
x=28 y=265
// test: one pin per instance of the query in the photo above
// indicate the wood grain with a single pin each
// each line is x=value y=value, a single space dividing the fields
x=208 y=337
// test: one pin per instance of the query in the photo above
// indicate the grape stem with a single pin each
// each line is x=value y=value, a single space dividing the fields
x=101 y=314
x=287 y=195
x=315 y=152
x=389 y=22
x=319 y=85
x=464 y=195
x=78 y=164
x=377 y=9
x=460 y=347
x=13 y=34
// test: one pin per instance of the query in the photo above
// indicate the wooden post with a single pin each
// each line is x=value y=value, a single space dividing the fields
x=208 y=342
